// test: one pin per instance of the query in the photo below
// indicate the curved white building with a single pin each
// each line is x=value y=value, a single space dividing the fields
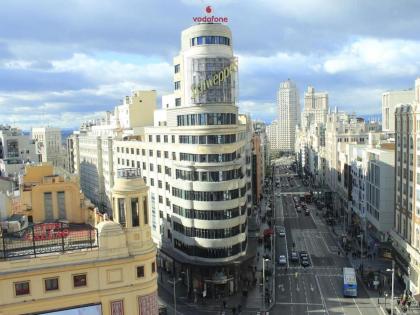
x=196 y=159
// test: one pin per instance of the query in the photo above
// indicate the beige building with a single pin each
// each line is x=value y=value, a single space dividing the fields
x=406 y=232
x=390 y=100
x=288 y=115
x=97 y=265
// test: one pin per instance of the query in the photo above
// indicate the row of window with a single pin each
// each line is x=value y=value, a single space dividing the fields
x=213 y=176
x=208 y=158
x=50 y=284
x=209 y=233
x=209 y=214
x=210 y=40
x=210 y=139
x=209 y=195
x=79 y=280
x=198 y=251
x=206 y=119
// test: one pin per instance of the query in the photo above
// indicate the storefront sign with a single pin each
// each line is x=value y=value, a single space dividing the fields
x=210 y=19
x=216 y=79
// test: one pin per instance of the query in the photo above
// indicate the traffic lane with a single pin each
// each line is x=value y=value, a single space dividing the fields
x=329 y=294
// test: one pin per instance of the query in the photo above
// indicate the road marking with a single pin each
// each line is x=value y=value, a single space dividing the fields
x=295 y=303
x=322 y=295
x=357 y=306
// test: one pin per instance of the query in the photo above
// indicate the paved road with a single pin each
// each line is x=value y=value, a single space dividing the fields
x=316 y=289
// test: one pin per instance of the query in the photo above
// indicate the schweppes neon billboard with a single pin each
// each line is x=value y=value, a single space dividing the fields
x=215 y=80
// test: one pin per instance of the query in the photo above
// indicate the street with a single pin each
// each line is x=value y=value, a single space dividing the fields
x=317 y=288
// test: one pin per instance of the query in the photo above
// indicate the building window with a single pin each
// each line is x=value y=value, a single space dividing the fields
x=158 y=138
x=160 y=199
x=150 y=152
x=22 y=288
x=117 y=307
x=135 y=211
x=158 y=153
x=140 y=271
x=166 y=154
x=159 y=183
x=132 y=150
x=138 y=151
x=152 y=182
x=173 y=139
x=176 y=68
x=49 y=215
x=159 y=168
x=51 y=284
x=177 y=85
x=61 y=200
x=151 y=167
x=150 y=138
x=79 y=281
x=165 y=138
x=178 y=101
x=121 y=211
x=143 y=152
x=145 y=215
x=153 y=267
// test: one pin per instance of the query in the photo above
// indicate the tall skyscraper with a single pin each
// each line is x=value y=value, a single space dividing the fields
x=288 y=115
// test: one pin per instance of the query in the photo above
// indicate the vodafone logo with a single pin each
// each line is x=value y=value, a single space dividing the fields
x=210 y=19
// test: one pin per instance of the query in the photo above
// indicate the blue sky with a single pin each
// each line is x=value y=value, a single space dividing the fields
x=62 y=62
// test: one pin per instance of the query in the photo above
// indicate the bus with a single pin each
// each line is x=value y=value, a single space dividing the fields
x=349 y=282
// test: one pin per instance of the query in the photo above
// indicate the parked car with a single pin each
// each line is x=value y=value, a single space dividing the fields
x=294 y=257
x=282 y=260
x=298 y=208
x=307 y=212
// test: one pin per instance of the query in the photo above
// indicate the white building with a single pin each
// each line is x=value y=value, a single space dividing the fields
x=315 y=108
x=272 y=131
x=196 y=159
x=390 y=100
x=92 y=146
x=288 y=115
x=49 y=145
x=16 y=149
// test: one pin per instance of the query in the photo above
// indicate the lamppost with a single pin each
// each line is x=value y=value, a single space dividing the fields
x=392 y=286
x=263 y=274
x=361 y=251
x=174 y=283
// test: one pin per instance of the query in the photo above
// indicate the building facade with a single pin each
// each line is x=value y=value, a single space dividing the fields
x=390 y=100
x=49 y=146
x=406 y=232
x=288 y=115
x=85 y=262
x=16 y=149
x=197 y=160
x=273 y=136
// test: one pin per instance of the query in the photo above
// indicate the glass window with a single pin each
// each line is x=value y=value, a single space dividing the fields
x=22 y=288
x=153 y=267
x=121 y=211
x=178 y=101
x=49 y=215
x=135 y=211
x=51 y=284
x=79 y=281
x=140 y=271
x=61 y=200
x=145 y=216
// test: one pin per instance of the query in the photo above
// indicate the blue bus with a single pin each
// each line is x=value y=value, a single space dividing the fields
x=349 y=282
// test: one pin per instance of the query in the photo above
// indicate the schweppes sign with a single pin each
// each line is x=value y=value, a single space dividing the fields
x=215 y=80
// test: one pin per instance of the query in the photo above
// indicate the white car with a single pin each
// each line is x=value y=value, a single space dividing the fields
x=282 y=260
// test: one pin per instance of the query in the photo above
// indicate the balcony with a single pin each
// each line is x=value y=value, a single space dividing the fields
x=129 y=173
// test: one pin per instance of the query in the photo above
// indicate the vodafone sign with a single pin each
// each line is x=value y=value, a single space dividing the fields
x=210 y=19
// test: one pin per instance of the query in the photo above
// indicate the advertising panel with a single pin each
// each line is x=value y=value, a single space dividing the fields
x=211 y=80
x=83 y=310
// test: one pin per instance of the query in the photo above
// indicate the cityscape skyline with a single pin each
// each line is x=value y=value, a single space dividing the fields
x=95 y=63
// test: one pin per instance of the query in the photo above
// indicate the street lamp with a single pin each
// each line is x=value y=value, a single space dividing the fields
x=263 y=274
x=174 y=283
x=361 y=251
x=392 y=286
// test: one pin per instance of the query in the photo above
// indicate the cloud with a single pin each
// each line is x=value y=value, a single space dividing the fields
x=383 y=57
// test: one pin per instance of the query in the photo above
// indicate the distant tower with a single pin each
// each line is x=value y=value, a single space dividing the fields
x=288 y=115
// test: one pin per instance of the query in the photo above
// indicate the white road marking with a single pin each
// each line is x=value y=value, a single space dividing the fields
x=357 y=306
x=322 y=295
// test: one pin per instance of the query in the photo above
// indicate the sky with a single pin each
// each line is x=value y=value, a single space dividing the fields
x=64 y=62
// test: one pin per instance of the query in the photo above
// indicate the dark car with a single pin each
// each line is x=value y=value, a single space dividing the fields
x=303 y=254
x=307 y=212
x=305 y=261
x=294 y=257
